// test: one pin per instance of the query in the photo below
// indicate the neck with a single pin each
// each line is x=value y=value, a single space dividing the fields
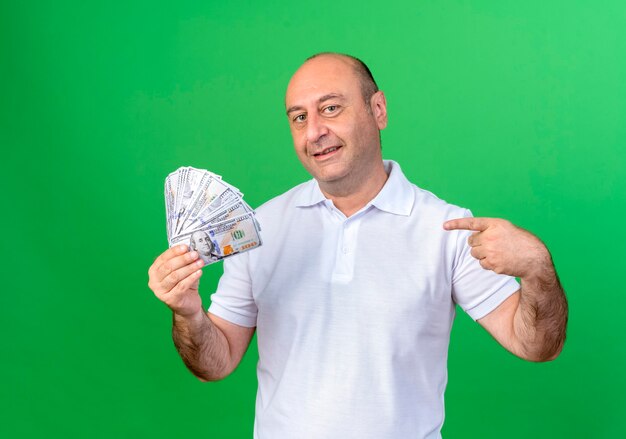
x=351 y=194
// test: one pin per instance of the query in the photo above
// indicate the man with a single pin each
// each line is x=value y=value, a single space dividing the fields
x=201 y=242
x=352 y=346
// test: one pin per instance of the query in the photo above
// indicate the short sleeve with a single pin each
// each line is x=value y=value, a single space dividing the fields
x=477 y=290
x=233 y=300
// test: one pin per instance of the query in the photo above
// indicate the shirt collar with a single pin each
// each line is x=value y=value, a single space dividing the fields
x=310 y=194
x=395 y=197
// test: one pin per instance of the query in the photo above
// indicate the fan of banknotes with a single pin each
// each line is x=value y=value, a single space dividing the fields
x=209 y=215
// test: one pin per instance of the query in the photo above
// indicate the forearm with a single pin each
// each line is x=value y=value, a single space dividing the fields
x=202 y=346
x=541 y=317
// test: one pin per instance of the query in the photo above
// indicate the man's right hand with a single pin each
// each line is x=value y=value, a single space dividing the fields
x=174 y=278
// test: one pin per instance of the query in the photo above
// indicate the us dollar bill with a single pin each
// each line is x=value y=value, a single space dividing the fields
x=212 y=205
x=230 y=211
x=211 y=194
x=224 y=239
x=172 y=182
x=188 y=188
x=169 y=200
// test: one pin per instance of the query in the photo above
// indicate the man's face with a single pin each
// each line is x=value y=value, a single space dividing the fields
x=203 y=243
x=335 y=133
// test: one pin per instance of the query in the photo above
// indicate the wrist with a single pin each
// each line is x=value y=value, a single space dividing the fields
x=192 y=317
x=541 y=269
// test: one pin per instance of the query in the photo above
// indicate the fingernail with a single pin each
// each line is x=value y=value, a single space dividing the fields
x=199 y=262
x=182 y=247
x=193 y=254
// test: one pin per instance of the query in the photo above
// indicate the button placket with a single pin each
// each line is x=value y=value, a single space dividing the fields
x=344 y=267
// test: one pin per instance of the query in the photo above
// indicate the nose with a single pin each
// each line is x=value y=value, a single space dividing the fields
x=315 y=128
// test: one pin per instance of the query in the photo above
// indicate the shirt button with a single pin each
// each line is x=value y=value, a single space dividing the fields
x=346 y=250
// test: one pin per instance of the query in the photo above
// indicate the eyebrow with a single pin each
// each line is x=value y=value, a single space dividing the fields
x=319 y=101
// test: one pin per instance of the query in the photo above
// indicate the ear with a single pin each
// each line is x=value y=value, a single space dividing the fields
x=378 y=105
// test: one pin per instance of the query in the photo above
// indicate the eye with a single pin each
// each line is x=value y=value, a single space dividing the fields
x=300 y=118
x=330 y=109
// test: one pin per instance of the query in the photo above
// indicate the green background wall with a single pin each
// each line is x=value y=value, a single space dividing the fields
x=513 y=109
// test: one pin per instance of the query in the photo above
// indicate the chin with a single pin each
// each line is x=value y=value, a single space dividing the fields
x=329 y=174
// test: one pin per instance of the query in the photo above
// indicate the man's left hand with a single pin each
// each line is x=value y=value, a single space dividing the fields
x=502 y=247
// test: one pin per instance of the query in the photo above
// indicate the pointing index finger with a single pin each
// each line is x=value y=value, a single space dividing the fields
x=475 y=224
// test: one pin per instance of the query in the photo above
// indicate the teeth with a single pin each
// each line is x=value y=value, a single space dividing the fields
x=326 y=151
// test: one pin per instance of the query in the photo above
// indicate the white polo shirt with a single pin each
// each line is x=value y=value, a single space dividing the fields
x=353 y=315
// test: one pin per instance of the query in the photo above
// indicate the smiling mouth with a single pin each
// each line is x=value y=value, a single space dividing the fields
x=326 y=151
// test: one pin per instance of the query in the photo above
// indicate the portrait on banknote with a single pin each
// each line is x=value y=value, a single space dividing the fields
x=201 y=242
